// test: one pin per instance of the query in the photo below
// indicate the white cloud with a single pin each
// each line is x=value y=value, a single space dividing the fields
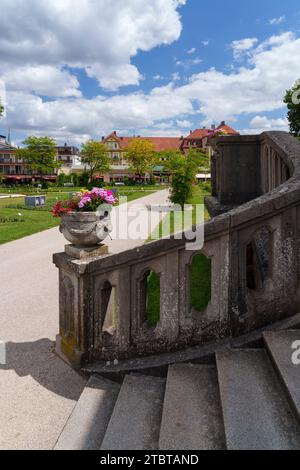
x=262 y=123
x=277 y=21
x=188 y=63
x=192 y=50
x=185 y=124
x=101 y=36
x=175 y=77
x=205 y=43
x=44 y=80
x=158 y=77
x=242 y=45
x=209 y=96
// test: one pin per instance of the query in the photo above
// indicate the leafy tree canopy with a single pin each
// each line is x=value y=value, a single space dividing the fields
x=141 y=156
x=40 y=154
x=292 y=100
x=94 y=155
x=183 y=170
x=1 y=109
x=201 y=159
x=165 y=157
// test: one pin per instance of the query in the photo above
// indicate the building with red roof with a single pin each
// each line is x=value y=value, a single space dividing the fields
x=117 y=148
x=199 y=138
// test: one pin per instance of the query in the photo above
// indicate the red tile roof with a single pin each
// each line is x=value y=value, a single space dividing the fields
x=227 y=129
x=172 y=143
x=200 y=134
x=197 y=134
x=160 y=143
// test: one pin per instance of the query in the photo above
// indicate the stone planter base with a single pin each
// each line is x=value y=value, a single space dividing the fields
x=86 y=252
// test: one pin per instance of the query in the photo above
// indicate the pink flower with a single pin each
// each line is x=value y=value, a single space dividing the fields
x=83 y=201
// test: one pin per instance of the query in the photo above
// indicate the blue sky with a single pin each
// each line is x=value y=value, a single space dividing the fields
x=80 y=69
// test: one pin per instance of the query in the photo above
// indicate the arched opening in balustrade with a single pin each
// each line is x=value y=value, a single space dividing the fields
x=259 y=259
x=150 y=298
x=200 y=282
x=108 y=308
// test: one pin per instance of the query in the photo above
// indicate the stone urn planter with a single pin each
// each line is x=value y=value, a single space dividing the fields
x=85 y=219
x=86 y=229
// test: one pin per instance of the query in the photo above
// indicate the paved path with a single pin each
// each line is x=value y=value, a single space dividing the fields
x=5 y=196
x=38 y=390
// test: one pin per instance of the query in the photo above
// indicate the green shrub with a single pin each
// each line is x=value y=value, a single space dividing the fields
x=84 y=179
x=75 y=179
x=61 y=179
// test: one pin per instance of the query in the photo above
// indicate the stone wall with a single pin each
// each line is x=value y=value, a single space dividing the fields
x=236 y=169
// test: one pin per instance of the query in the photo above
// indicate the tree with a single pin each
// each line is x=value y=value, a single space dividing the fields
x=141 y=156
x=183 y=170
x=1 y=109
x=94 y=155
x=292 y=100
x=164 y=157
x=40 y=154
x=201 y=159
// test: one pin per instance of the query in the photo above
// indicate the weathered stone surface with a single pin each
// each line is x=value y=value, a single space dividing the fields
x=86 y=228
x=215 y=208
x=279 y=345
x=257 y=415
x=86 y=252
x=238 y=172
x=135 y=421
x=88 y=422
x=199 y=354
x=192 y=416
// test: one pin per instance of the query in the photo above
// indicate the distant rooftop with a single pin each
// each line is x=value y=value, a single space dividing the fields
x=4 y=144
x=160 y=143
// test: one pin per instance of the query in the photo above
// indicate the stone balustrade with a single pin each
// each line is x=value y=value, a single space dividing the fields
x=250 y=258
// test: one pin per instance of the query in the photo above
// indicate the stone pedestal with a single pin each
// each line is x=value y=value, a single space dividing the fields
x=76 y=301
x=86 y=252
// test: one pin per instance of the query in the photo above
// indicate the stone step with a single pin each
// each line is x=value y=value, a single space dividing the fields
x=279 y=345
x=135 y=422
x=88 y=422
x=257 y=415
x=192 y=415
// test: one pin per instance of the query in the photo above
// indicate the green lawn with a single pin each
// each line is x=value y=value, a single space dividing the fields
x=17 y=221
x=176 y=223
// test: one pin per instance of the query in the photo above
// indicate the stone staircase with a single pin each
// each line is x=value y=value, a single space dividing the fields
x=245 y=399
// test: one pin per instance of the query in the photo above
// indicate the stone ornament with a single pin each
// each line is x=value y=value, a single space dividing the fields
x=86 y=228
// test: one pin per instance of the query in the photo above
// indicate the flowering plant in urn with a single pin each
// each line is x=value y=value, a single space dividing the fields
x=85 y=218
